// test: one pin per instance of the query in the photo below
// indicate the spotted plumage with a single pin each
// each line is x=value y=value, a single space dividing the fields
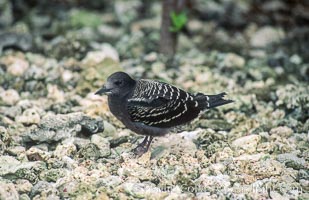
x=151 y=108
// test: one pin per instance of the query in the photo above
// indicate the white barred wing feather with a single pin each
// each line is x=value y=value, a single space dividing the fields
x=161 y=105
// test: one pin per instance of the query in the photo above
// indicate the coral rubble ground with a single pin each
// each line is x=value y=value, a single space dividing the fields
x=59 y=141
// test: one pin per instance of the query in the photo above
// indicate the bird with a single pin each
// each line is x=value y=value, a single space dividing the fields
x=152 y=108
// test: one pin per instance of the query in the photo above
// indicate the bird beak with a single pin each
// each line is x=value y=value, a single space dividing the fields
x=103 y=90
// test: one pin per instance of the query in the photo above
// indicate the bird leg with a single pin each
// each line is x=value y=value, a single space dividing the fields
x=149 y=142
x=143 y=147
x=144 y=141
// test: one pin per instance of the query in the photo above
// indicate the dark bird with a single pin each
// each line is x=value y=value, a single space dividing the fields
x=152 y=108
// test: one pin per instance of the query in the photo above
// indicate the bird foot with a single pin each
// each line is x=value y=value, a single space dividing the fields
x=143 y=147
x=140 y=150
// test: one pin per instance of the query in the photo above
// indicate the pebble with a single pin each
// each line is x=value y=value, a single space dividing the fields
x=9 y=97
x=18 y=67
x=291 y=160
x=24 y=197
x=8 y=191
x=277 y=196
x=124 y=11
x=7 y=164
x=102 y=144
x=29 y=116
x=141 y=190
x=110 y=181
x=265 y=36
x=109 y=129
x=44 y=190
x=53 y=128
x=213 y=182
x=66 y=76
x=233 y=60
x=95 y=57
x=81 y=142
x=111 y=32
x=16 y=150
x=304 y=183
x=36 y=154
x=11 y=112
x=23 y=186
x=55 y=94
x=90 y=151
x=65 y=149
x=247 y=143
x=282 y=131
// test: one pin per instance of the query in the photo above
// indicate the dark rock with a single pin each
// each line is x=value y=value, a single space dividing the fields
x=291 y=160
x=54 y=128
x=90 y=151
x=17 y=40
x=118 y=141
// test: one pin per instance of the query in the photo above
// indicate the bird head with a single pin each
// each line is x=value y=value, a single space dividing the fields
x=117 y=84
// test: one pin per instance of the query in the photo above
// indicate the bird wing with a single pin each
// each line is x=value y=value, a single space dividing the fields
x=160 y=105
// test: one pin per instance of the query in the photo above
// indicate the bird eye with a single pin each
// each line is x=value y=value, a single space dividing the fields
x=118 y=83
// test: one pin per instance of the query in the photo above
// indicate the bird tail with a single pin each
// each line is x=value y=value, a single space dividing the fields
x=212 y=101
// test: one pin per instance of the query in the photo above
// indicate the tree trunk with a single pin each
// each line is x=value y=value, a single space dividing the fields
x=168 y=39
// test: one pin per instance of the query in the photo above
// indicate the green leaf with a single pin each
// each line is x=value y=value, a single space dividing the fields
x=178 y=21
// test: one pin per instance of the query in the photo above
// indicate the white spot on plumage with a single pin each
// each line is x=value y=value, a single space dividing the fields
x=149 y=87
x=179 y=103
x=187 y=96
x=171 y=91
x=174 y=117
x=163 y=91
x=185 y=109
x=178 y=93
